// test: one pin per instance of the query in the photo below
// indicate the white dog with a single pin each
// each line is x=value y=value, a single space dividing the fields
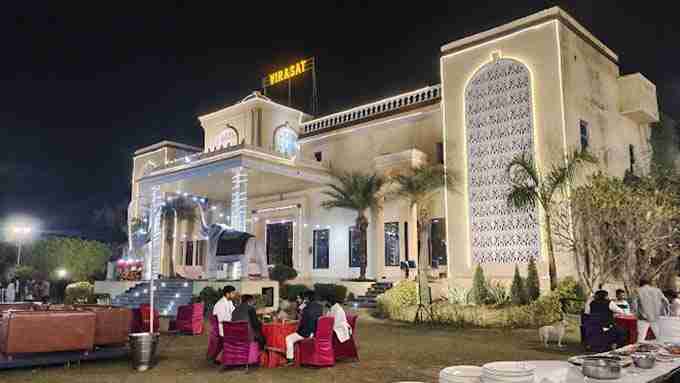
x=556 y=330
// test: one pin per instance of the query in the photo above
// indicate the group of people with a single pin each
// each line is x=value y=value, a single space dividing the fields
x=648 y=305
x=308 y=311
x=32 y=290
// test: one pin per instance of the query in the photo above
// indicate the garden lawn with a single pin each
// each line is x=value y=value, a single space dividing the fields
x=389 y=352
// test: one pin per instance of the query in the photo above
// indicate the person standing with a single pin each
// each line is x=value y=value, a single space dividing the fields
x=310 y=315
x=246 y=312
x=650 y=304
x=224 y=307
x=11 y=291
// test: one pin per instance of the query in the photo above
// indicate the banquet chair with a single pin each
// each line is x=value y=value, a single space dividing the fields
x=189 y=319
x=214 y=339
x=238 y=345
x=348 y=349
x=594 y=338
x=317 y=351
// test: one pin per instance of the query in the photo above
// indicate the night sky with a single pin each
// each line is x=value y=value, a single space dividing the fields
x=83 y=86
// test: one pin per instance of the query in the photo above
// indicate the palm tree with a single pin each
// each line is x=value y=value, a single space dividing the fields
x=529 y=187
x=418 y=186
x=359 y=192
x=179 y=209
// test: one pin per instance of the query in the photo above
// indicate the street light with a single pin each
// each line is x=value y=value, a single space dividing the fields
x=20 y=232
x=61 y=273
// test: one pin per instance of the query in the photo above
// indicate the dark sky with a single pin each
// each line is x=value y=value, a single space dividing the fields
x=83 y=86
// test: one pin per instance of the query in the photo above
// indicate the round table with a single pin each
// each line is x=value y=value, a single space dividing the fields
x=275 y=334
x=629 y=322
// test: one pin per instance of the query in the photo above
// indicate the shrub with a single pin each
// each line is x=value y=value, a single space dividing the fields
x=517 y=291
x=323 y=290
x=533 y=285
x=282 y=273
x=572 y=295
x=79 y=293
x=497 y=293
x=480 y=292
x=291 y=291
x=395 y=302
x=458 y=295
x=209 y=295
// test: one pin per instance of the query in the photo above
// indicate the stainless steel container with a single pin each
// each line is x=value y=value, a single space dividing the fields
x=143 y=347
x=645 y=360
x=601 y=367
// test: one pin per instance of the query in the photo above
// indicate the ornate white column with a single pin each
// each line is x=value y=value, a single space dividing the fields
x=153 y=264
x=239 y=199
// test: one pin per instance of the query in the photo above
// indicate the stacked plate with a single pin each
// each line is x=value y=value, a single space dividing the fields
x=460 y=374
x=508 y=372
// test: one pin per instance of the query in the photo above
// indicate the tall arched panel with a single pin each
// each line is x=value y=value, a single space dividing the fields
x=499 y=126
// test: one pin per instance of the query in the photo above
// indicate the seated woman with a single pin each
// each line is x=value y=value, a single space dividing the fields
x=602 y=310
x=341 y=327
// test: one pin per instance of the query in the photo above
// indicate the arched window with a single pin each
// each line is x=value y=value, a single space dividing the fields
x=285 y=141
x=227 y=137
x=498 y=126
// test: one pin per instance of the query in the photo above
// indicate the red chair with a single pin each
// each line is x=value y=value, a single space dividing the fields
x=214 y=339
x=318 y=350
x=239 y=348
x=348 y=349
x=189 y=319
x=145 y=314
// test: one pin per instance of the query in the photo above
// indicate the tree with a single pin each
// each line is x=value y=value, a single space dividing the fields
x=82 y=259
x=418 y=186
x=624 y=230
x=8 y=258
x=533 y=284
x=518 y=293
x=530 y=186
x=480 y=289
x=358 y=192
x=174 y=211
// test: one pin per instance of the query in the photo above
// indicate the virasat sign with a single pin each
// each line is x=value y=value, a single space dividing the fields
x=287 y=73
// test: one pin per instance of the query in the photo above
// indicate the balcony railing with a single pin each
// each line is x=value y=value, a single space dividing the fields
x=372 y=110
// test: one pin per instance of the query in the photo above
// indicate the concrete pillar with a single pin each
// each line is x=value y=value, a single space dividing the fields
x=378 y=256
x=413 y=237
x=153 y=261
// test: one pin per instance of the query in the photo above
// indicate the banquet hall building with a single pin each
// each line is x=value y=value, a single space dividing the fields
x=541 y=85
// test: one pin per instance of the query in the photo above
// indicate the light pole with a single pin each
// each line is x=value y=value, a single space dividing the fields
x=20 y=232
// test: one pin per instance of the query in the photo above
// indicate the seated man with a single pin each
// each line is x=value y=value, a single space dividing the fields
x=621 y=301
x=246 y=312
x=603 y=310
x=310 y=314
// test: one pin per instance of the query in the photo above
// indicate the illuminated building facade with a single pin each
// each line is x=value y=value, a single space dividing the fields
x=541 y=85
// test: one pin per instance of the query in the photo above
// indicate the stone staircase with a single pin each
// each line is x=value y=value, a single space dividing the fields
x=369 y=300
x=167 y=297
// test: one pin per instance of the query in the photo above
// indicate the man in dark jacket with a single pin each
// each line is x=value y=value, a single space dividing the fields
x=310 y=315
x=246 y=312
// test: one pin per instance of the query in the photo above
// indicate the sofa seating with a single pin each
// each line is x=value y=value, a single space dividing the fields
x=16 y=306
x=46 y=331
x=112 y=324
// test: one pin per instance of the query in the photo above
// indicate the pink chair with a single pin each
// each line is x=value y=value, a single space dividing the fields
x=189 y=319
x=348 y=349
x=239 y=348
x=214 y=339
x=318 y=350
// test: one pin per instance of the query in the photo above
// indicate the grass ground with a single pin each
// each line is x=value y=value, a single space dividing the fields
x=389 y=352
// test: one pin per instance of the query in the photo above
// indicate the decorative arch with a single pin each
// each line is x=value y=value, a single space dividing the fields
x=499 y=125
x=285 y=141
x=226 y=138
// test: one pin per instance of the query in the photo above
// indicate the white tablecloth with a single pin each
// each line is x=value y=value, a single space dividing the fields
x=564 y=372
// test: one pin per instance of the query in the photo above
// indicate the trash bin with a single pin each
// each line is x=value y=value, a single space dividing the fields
x=143 y=347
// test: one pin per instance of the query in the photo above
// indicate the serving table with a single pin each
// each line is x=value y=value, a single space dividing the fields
x=564 y=372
